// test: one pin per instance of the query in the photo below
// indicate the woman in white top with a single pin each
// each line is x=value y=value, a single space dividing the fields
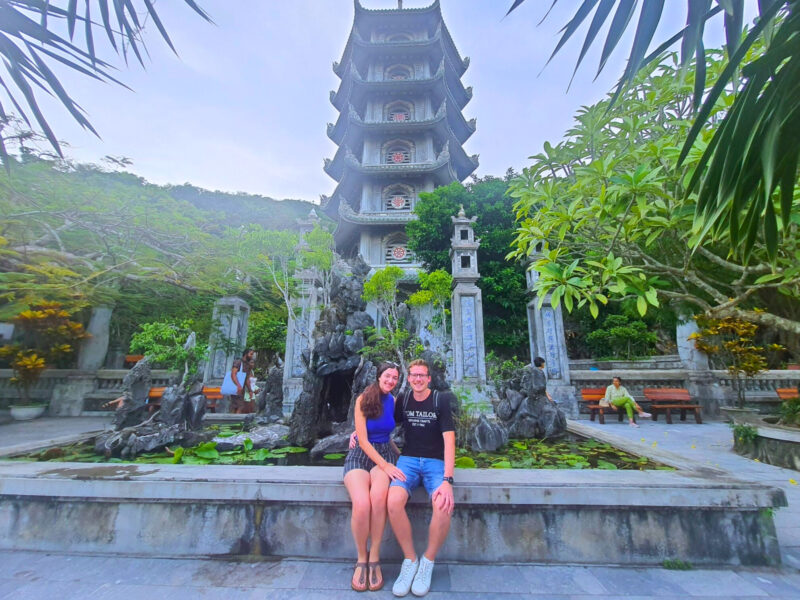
x=618 y=397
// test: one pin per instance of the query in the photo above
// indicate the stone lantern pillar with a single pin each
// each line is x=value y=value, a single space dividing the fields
x=546 y=339
x=466 y=304
x=301 y=322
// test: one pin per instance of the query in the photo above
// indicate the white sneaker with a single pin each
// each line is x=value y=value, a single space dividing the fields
x=646 y=415
x=402 y=584
x=422 y=580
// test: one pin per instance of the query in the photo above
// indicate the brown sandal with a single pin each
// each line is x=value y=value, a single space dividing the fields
x=374 y=583
x=361 y=586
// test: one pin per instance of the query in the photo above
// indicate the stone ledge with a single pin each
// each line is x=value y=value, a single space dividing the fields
x=701 y=515
x=534 y=488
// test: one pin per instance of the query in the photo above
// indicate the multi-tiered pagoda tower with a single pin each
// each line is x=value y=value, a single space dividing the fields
x=400 y=129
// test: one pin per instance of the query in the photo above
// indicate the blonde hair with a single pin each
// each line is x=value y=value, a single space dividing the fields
x=419 y=363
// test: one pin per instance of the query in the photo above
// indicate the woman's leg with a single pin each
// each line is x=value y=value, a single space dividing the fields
x=357 y=483
x=627 y=404
x=379 y=488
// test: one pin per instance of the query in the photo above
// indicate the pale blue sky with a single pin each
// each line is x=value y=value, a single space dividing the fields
x=244 y=106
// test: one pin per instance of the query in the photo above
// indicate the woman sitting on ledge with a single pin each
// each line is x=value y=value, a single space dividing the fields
x=618 y=397
x=368 y=469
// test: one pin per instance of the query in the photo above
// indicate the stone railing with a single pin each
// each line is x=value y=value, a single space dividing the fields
x=711 y=389
x=70 y=392
x=667 y=361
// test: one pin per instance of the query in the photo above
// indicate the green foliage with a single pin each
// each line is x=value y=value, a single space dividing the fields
x=790 y=412
x=620 y=337
x=266 y=332
x=607 y=214
x=390 y=340
x=744 y=433
x=435 y=289
x=731 y=341
x=500 y=370
x=241 y=209
x=502 y=283
x=549 y=454
x=755 y=148
x=163 y=343
x=48 y=337
x=676 y=564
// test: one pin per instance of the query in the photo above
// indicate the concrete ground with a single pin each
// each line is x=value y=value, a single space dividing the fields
x=65 y=576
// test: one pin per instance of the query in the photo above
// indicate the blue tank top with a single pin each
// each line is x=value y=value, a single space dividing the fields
x=379 y=430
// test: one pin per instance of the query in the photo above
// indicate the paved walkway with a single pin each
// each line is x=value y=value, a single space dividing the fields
x=711 y=443
x=66 y=577
x=24 y=436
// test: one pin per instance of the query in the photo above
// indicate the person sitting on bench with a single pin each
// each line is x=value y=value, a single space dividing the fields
x=618 y=397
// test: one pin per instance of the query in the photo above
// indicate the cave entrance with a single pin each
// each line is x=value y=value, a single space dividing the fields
x=337 y=389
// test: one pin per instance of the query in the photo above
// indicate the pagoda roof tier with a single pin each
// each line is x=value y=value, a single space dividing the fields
x=354 y=87
x=367 y=19
x=346 y=213
x=439 y=45
x=350 y=127
x=459 y=164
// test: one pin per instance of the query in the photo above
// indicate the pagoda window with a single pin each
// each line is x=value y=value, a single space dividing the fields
x=398 y=73
x=399 y=37
x=398 y=152
x=397 y=197
x=399 y=111
x=396 y=250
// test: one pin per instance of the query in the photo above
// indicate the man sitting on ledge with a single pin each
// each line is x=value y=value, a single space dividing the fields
x=428 y=458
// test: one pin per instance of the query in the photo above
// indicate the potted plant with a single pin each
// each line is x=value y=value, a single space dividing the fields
x=28 y=367
x=48 y=334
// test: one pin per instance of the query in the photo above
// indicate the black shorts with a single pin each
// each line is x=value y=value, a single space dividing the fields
x=357 y=458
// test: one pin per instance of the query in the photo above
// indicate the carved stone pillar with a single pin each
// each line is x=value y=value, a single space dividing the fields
x=301 y=323
x=547 y=339
x=466 y=304
x=228 y=336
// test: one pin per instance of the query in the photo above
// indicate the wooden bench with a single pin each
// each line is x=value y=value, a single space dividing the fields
x=668 y=399
x=592 y=397
x=212 y=395
x=132 y=359
x=787 y=393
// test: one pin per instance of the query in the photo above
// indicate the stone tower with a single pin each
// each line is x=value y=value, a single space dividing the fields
x=466 y=303
x=400 y=129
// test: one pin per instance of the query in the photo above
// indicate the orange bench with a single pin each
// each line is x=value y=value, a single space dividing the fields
x=592 y=397
x=668 y=399
x=212 y=395
x=132 y=359
x=787 y=393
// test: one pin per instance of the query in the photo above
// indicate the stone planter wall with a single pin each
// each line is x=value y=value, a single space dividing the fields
x=779 y=446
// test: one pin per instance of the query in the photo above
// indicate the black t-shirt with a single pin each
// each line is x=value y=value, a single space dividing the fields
x=423 y=428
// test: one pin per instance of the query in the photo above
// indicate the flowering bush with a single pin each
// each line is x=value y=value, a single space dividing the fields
x=731 y=341
x=48 y=339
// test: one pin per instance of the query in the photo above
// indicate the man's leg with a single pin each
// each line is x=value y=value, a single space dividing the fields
x=437 y=532
x=401 y=525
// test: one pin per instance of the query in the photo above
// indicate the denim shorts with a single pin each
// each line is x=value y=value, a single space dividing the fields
x=418 y=470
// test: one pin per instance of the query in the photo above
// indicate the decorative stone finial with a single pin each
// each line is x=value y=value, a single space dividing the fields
x=461 y=213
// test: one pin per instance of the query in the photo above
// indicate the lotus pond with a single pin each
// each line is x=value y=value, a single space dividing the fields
x=517 y=454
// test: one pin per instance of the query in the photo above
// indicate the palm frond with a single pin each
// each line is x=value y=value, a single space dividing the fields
x=28 y=41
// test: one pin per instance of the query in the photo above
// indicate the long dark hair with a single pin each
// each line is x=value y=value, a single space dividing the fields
x=371 y=403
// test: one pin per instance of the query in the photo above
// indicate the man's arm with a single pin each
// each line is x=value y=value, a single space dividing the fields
x=443 y=496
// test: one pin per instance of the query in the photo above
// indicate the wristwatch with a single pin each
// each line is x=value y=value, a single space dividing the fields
x=448 y=480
